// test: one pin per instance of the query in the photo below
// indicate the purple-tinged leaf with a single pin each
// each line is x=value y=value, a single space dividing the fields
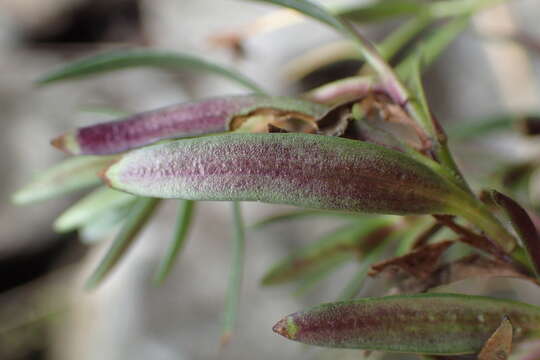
x=67 y=176
x=311 y=171
x=436 y=324
x=342 y=90
x=524 y=227
x=207 y=116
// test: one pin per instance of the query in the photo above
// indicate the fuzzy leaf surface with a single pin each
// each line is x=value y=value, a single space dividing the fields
x=206 y=116
x=310 y=171
x=434 y=324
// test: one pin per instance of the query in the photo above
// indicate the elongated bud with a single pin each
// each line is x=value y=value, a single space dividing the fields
x=178 y=121
x=436 y=324
x=311 y=171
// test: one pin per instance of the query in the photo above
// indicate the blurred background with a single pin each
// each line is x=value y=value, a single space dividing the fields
x=45 y=313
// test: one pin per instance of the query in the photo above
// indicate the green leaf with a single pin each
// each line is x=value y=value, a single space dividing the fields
x=434 y=45
x=106 y=223
x=67 y=176
x=376 y=11
x=235 y=276
x=300 y=214
x=183 y=223
x=432 y=324
x=485 y=126
x=123 y=59
x=138 y=216
x=90 y=207
x=336 y=247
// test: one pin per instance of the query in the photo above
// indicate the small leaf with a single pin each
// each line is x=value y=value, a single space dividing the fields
x=434 y=45
x=435 y=324
x=381 y=10
x=106 y=223
x=183 y=223
x=138 y=216
x=499 y=345
x=235 y=277
x=300 y=214
x=337 y=246
x=524 y=227
x=207 y=116
x=311 y=171
x=118 y=60
x=90 y=207
x=69 y=175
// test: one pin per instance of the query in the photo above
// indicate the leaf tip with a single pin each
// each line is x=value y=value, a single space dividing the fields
x=67 y=143
x=286 y=327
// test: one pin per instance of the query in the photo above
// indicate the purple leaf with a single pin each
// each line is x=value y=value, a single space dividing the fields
x=311 y=171
x=178 y=121
x=437 y=324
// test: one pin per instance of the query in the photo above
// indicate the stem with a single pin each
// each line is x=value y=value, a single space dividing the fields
x=235 y=276
x=478 y=214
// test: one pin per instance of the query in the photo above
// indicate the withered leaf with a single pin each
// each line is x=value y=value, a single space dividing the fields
x=472 y=266
x=499 y=345
x=477 y=241
x=420 y=263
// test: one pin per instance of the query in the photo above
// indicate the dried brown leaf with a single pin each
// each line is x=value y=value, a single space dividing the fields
x=420 y=263
x=499 y=345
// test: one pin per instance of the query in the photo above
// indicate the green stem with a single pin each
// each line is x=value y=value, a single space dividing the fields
x=185 y=215
x=235 y=277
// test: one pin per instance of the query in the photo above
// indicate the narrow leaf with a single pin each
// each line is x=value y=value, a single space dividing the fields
x=124 y=59
x=499 y=345
x=207 y=116
x=436 y=324
x=524 y=227
x=69 y=175
x=342 y=90
x=138 y=216
x=90 y=207
x=381 y=10
x=434 y=44
x=343 y=243
x=357 y=282
x=106 y=223
x=301 y=214
x=183 y=223
x=235 y=277
x=311 y=171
